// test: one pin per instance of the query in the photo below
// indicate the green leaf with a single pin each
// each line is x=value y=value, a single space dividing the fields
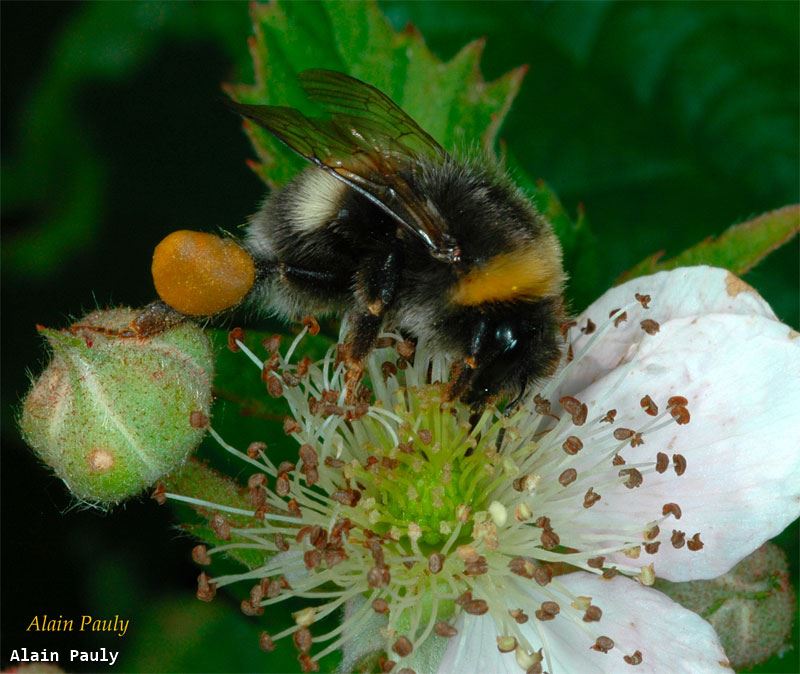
x=578 y=242
x=198 y=480
x=738 y=249
x=450 y=99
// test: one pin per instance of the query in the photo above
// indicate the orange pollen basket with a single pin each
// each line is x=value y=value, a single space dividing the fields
x=200 y=274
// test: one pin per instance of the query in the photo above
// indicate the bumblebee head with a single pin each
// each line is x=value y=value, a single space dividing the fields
x=200 y=274
x=518 y=348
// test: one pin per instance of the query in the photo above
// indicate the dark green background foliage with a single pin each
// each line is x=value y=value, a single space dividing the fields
x=664 y=122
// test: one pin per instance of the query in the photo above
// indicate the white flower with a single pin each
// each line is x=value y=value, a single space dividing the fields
x=667 y=445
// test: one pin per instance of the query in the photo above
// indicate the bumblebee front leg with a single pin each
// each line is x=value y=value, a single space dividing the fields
x=464 y=370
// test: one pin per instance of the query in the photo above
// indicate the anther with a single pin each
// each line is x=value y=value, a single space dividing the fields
x=522 y=512
x=464 y=598
x=595 y=562
x=436 y=562
x=647 y=575
x=633 y=478
x=592 y=614
x=290 y=426
x=519 y=616
x=649 y=406
x=220 y=527
x=312 y=324
x=694 y=543
x=609 y=417
x=589 y=328
x=206 y=589
x=476 y=607
x=274 y=385
x=590 y=498
x=623 y=433
x=550 y=539
x=265 y=643
x=652 y=548
x=644 y=300
x=603 y=644
x=678 y=539
x=541 y=405
x=254 y=449
x=522 y=567
x=572 y=445
x=679 y=464
x=506 y=644
x=548 y=611
x=235 y=335
x=308 y=455
x=477 y=567
x=529 y=662
x=620 y=319
x=312 y=559
x=634 y=659
x=406 y=349
x=608 y=574
x=651 y=532
x=444 y=629
x=681 y=415
x=498 y=513
x=576 y=409
x=650 y=326
x=251 y=609
x=305 y=617
x=671 y=509
x=662 y=462
x=380 y=606
x=543 y=574
x=200 y=555
x=378 y=576
x=568 y=477
x=617 y=460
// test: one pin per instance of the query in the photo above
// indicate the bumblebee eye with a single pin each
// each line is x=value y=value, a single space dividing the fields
x=200 y=274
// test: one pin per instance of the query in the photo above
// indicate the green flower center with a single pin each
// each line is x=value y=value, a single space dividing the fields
x=432 y=481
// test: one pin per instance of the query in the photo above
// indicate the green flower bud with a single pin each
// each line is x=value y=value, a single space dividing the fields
x=112 y=413
x=751 y=607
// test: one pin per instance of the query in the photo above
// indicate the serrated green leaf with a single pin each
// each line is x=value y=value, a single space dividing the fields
x=450 y=99
x=578 y=242
x=738 y=249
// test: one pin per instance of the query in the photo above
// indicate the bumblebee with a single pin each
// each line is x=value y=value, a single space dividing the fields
x=389 y=228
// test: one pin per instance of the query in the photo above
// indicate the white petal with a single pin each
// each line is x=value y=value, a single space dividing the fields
x=672 y=640
x=680 y=293
x=741 y=375
x=474 y=649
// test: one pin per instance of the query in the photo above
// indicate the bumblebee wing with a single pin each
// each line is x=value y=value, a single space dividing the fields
x=381 y=122
x=358 y=145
